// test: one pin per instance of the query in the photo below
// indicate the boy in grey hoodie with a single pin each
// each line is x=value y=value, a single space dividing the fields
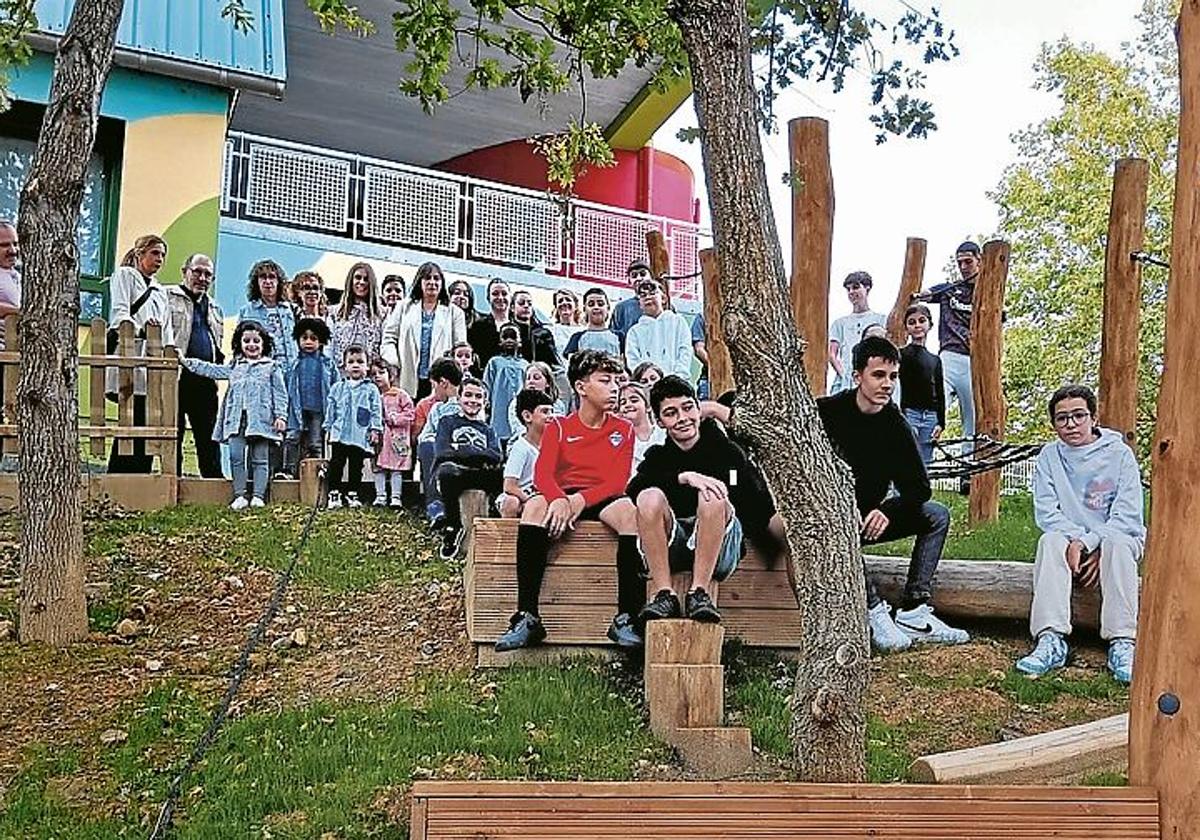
x=1087 y=500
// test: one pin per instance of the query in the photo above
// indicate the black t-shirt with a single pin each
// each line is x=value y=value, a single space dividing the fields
x=921 y=381
x=954 y=315
x=879 y=449
x=716 y=456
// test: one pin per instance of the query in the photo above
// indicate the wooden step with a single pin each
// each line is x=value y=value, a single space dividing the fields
x=683 y=642
x=714 y=752
x=684 y=697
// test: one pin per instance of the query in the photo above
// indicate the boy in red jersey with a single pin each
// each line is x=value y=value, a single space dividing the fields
x=582 y=467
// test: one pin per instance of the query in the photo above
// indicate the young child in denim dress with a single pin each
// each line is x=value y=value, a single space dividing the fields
x=309 y=381
x=354 y=421
x=395 y=453
x=254 y=411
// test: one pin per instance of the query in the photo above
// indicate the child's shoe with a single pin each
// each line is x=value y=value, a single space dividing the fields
x=352 y=500
x=335 y=500
x=380 y=501
x=257 y=502
x=239 y=503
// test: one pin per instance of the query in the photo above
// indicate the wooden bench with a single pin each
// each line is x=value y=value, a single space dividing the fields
x=586 y=810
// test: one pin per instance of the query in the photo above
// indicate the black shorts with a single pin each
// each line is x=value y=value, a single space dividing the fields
x=591 y=513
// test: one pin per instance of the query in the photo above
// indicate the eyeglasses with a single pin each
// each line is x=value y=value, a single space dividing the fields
x=201 y=272
x=1073 y=418
x=310 y=288
x=638 y=274
x=647 y=288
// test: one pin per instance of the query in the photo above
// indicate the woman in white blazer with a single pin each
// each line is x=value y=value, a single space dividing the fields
x=423 y=329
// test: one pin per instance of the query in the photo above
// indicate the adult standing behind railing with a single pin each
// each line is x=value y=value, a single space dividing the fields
x=358 y=319
x=198 y=325
x=421 y=331
x=136 y=296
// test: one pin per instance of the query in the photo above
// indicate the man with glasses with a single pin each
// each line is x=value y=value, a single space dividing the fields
x=1087 y=501
x=197 y=324
x=627 y=312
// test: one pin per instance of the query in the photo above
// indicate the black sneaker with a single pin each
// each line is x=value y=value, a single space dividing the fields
x=701 y=608
x=623 y=632
x=664 y=605
x=964 y=487
x=524 y=630
x=451 y=541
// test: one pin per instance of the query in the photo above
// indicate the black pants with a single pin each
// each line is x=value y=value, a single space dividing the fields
x=930 y=523
x=139 y=461
x=350 y=459
x=455 y=479
x=198 y=408
x=424 y=389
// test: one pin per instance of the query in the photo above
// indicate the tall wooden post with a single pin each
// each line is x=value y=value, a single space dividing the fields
x=812 y=242
x=1164 y=706
x=910 y=284
x=1119 y=339
x=986 y=385
x=720 y=370
x=660 y=260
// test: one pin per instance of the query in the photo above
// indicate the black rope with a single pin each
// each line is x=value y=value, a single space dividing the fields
x=987 y=454
x=237 y=674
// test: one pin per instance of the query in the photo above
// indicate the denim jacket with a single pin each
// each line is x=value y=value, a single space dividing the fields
x=354 y=410
x=280 y=322
x=328 y=377
x=256 y=390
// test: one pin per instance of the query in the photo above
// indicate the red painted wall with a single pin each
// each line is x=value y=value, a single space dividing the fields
x=647 y=180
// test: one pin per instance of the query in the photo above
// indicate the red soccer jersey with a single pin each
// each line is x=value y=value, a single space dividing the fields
x=592 y=462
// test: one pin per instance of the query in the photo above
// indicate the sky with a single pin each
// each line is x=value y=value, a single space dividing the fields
x=935 y=188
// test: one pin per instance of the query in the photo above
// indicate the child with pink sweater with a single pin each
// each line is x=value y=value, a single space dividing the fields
x=395 y=452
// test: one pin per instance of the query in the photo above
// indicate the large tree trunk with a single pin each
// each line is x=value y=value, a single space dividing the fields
x=775 y=409
x=53 y=609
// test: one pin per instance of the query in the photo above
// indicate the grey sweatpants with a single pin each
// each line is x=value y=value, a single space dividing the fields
x=1051 y=608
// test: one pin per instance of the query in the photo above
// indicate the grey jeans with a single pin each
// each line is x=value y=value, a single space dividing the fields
x=253 y=453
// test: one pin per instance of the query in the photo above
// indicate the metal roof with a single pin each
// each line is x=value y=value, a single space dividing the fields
x=191 y=32
x=342 y=94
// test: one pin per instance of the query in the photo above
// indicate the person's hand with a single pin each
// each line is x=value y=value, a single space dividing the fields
x=919 y=297
x=936 y=433
x=714 y=410
x=558 y=517
x=1074 y=555
x=280 y=425
x=874 y=524
x=1089 y=569
x=376 y=438
x=710 y=489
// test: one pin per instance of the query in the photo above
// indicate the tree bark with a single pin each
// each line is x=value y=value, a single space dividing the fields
x=52 y=604
x=775 y=410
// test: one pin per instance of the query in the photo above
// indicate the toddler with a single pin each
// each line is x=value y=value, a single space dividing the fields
x=395 y=452
x=354 y=421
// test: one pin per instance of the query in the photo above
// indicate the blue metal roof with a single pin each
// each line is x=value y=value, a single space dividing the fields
x=191 y=31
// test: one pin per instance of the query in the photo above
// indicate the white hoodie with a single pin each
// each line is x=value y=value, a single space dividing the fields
x=665 y=340
x=1087 y=492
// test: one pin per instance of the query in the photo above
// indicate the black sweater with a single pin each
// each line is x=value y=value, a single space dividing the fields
x=879 y=448
x=921 y=381
x=716 y=456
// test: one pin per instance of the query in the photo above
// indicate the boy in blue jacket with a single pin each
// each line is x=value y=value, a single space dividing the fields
x=309 y=381
x=354 y=421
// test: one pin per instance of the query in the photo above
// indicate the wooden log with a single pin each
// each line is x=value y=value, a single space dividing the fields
x=1164 y=706
x=660 y=261
x=683 y=642
x=12 y=376
x=97 y=335
x=714 y=752
x=684 y=697
x=1119 y=337
x=154 y=389
x=169 y=448
x=472 y=505
x=311 y=486
x=125 y=348
x=1077 y=747
x=720 y=368
x=812 y=242
x=910 y=283
x=981 y=589
x=986 y=384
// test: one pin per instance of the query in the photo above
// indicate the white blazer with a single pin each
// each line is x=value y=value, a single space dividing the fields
x=401 y=345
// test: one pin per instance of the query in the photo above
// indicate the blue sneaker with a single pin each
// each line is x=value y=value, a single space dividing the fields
x=1049 y=653
x=624 y=633
x=1120 y=660
x=435 y=512
x=523 y=631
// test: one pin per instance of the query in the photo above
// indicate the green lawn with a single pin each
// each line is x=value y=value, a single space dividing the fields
x=1013 y=537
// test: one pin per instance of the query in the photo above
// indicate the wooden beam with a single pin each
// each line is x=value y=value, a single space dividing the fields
x=1119 y=338
x=910 y=284
x=1164 y=706
x=720 y=369
x=1077 y=748
x=660 y=260
x=988 y=389
x=812 y=242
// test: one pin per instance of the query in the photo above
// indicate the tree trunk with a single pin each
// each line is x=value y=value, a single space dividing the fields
x=52 y=605
x=775 y=409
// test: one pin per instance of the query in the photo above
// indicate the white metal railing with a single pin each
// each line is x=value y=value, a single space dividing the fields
x=1014 y=479
x=294 y=185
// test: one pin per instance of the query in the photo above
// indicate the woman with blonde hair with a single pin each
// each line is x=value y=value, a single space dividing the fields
x=358 y=320
x=308 y=295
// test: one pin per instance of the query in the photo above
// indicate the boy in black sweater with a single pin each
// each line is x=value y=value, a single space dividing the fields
x=869 y=434
x=921 y=391
x=466 y=456
x=696 y=494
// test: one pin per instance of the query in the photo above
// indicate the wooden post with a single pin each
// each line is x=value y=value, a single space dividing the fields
x=660 y=260
x=1164 y=706
x=986 y=385
x=910 y=284
x=125 y=349
x=98 y=335
x=720 y=369
x=12 y=376
x=1119 y=338
x=812 y=242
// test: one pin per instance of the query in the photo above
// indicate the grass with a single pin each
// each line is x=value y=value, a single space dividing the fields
x=1013 y=537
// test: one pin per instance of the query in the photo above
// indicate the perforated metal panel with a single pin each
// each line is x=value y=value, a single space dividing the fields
x=607 y=242
x=226 y=176
x=408 y=208
x=515 y=228
x=685 y=260
x=294 y=187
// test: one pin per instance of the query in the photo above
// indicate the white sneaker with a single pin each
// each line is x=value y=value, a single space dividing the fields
x=886 y=637
x=239 y=503
x=352 y=500
x=923 y=627
x=380 y=501
x=257 y=502
x=335 y=500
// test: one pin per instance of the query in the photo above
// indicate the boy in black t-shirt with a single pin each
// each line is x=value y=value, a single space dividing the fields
x=696 y=494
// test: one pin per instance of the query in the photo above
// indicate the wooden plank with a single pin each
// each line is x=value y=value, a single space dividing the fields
x=683 y=642
x=97 y=332
x=128 y=432
x=12 y=376
x=986 y=384
x=1119 y=336
x=910 y=283
x=154 y=391
x=1080 y=746
x=720 y=367
x=417 y=821
x=812 y=242
x=684 y=697
x=125 y=348
x=169 y=449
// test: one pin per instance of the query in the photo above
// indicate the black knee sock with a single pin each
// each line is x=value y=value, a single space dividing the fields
x=631 y=589
x=533 y=543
